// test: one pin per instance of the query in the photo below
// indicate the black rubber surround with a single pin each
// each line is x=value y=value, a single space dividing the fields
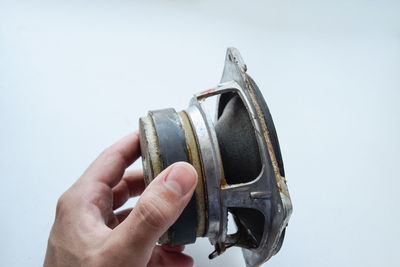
x=270 y=125
x=172 y=143
x=274 y=141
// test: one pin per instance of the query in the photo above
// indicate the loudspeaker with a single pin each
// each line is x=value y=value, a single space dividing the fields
x=238 y=161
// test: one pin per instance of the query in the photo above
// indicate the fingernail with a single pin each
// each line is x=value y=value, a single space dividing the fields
x=181 y=178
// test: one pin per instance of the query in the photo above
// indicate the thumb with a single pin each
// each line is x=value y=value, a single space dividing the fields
x=158 y=208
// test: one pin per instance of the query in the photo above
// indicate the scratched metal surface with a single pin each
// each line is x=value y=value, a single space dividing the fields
x=74 y=77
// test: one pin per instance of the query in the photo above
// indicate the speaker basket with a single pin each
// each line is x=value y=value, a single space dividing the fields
x=238 y=160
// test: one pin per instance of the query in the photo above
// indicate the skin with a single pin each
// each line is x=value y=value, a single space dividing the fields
x=88 y=232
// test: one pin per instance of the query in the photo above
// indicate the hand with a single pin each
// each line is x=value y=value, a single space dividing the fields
x=87 y=231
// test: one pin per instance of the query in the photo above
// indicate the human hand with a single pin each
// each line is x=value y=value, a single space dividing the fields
x=87 y=231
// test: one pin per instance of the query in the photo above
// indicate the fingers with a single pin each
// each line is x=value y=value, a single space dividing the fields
x=109 y=167
x=158 y=208
x=92 y=194
x=162 y=258
x=131 y=185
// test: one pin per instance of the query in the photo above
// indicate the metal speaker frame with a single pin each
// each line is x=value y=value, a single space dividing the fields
x=190 y=135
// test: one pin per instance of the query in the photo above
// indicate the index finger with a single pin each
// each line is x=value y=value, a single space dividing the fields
x=109 y=167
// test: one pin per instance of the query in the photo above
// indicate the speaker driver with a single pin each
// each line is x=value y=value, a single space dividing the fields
x=238 y=161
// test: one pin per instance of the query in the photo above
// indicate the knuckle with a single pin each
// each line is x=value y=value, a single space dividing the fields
x=101 y=196
x=61 y=204
x=107 y=150
x=152 y=213
x=64 y=205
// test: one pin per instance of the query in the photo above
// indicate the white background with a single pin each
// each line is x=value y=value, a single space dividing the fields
x=75 y=76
